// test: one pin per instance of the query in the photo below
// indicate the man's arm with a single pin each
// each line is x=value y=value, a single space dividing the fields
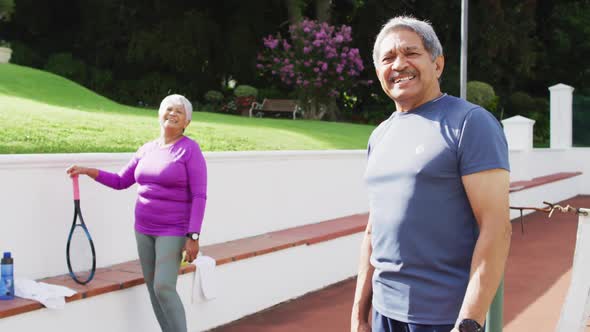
x=364 y=288
x=487 y=192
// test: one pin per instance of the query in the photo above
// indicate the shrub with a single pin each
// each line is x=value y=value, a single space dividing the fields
x=246 y=91
x=152 y=87
x=271 y=93
x=25 y=56
x=540 y=114
x=64 y=64
x=100 y=80
x=521 y=103
x=483 y=94
x=214 y=97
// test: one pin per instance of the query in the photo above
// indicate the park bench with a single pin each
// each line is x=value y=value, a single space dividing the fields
x=275 y=106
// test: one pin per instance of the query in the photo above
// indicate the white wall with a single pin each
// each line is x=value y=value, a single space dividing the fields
x=249 y=193
x=287 y=274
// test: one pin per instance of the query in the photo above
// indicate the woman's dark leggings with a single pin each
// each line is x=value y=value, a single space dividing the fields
x=160 y=258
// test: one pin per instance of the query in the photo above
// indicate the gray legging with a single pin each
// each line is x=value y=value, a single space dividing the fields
x=160 y=259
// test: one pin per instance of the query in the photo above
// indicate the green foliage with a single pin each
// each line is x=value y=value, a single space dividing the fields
x=214 y=96
x=25 y=56
x=581 y=120
x=271 y=93
x=246 y=90
x=517 y=45
x=521 y=103
x=6 y=9
x=64 y=64
x=483 y=94
x=100 y=79
x=566 y=27
x=540 y=113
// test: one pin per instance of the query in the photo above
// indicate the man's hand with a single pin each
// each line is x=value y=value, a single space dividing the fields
x=361 y=305
x=358 y=326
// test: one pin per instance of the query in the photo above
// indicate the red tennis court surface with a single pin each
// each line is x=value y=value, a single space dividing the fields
x=536 y=281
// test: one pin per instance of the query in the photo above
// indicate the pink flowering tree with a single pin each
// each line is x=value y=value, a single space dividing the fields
x=316 y=61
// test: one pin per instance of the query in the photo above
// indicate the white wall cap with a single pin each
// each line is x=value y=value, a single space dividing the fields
x=561 y=86
x=518 y=119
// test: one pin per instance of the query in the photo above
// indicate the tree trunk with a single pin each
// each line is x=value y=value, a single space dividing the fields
x=294 y=9
x=316 y=110
x=323 y=10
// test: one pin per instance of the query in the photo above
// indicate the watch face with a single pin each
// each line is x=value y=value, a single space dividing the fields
x=195 y=236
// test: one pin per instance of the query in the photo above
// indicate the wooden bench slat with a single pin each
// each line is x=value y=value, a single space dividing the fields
x=275 y=106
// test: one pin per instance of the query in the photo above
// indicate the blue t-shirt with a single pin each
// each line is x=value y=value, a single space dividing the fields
x=424 y=230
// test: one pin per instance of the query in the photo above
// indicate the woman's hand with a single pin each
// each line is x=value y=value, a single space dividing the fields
x=76 y=170
x=191 y=249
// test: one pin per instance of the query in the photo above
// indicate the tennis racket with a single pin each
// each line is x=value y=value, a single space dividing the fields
x=80 y=253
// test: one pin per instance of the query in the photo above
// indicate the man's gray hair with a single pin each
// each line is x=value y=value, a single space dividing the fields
x=422 y=28
x=172 y=100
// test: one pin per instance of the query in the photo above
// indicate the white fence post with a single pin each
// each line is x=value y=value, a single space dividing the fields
x=576 y=308
x=561 y=97
x=519 y=132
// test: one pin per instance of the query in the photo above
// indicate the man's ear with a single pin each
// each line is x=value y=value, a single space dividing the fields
x=439 y=63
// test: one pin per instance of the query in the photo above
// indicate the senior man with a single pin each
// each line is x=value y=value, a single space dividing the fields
x=437 y=174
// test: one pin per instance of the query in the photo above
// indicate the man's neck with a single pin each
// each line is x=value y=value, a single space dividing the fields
x=407 y=106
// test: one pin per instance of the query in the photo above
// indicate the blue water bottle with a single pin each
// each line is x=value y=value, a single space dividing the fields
x=7 y=277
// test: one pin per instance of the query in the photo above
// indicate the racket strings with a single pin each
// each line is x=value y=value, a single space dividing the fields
x=81 y=254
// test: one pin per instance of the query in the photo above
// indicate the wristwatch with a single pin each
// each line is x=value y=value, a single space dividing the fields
x=469 y=325
x=193 y=236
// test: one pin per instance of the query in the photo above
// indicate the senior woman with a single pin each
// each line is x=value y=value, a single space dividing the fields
x=172 y=183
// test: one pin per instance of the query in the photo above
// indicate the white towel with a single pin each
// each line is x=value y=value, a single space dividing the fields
x=204 y=286
x=51 y=296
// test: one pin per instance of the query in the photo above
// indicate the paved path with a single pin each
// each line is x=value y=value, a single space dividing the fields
x=536 y=281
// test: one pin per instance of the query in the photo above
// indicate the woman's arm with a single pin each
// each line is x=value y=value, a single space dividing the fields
x=122 y=180
x=197 y=180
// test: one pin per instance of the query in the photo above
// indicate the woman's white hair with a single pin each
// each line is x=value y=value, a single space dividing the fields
x=422 y=28
x=172 y=100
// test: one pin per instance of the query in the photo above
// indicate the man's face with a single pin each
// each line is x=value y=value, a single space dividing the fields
x=406 y=71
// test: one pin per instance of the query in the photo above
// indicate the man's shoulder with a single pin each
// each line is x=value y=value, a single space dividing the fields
x=458 y=104
x=456 y=109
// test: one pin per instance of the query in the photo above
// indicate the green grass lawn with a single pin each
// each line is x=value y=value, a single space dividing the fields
x=44 y=113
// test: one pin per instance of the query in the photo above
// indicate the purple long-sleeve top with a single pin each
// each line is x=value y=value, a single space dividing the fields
x=172 y=187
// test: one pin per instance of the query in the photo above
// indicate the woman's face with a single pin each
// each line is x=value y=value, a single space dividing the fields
x=174 y=117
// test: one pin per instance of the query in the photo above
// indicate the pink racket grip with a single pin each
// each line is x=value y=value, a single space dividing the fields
x=76 y=187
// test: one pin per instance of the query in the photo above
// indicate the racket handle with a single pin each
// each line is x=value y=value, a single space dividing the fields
x=76 y=188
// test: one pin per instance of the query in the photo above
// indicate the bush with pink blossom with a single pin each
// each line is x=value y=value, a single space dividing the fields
x=317 y=62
